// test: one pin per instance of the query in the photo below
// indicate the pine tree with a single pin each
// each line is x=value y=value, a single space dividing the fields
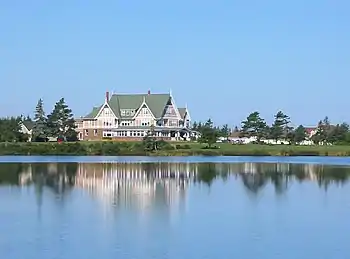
x=254 y=126
x=225 y=131
x=279 y=128
x=299 y=134
x=209 y=134
x=61 y=123
x=323 y=133
x=39 y=131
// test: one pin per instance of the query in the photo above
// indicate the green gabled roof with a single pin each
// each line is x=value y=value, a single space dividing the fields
x=93 y=113
x=156 y=102
x=114 y=105
x=182 y=112
x=117 y=102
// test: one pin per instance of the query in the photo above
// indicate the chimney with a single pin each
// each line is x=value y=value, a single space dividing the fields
x=149 y=92
x=107 y=96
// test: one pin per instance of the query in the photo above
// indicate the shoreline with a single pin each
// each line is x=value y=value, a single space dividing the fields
x=179 y=149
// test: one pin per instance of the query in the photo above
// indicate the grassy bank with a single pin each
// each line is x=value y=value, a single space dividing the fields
x=170 y=149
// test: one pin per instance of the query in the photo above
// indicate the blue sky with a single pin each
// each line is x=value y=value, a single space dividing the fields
x=224 y=59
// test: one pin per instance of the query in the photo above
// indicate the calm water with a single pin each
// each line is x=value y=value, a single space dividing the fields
x=188 y=208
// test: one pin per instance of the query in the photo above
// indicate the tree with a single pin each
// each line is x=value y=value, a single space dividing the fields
x=10 y=130
x=225 y=131
x=195 y=126
x=61 y=123
x=209 y=134
x=323 y=132
x=149 y=141
x=280 y=128
x=299 y=134
x=40 y=130
x=338 y=133
x=254 y=126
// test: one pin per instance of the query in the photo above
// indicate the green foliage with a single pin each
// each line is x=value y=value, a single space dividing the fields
x=10 y=130
x=299 y=134
x=225 y=131
x=166 y=149
x=40 y=130
x=209 y=134
x=254 y=126
x=338 y=134
x=61 y=123
x=333 y=134
x=280 y=129
x=150 y=143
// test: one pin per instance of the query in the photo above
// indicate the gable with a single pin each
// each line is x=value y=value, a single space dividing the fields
x=144 y=112
x=28 y=124
x=105 y=112
x=170 y=109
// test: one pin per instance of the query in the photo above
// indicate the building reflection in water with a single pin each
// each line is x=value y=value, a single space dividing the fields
x=139 y=186
x=143 y=185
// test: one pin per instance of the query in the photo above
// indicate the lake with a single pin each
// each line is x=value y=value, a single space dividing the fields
x=174 y=207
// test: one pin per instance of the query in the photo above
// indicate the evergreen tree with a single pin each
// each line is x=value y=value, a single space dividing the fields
x=39 y=131
x=323 y=133
x=254 y=126
x=338 y=133
x=225 y=131
x=209 y=134
x=280 y=128
x=61 y=123
x=149 y=141
x=299 y=134
x=195 y=126
x=10 y=130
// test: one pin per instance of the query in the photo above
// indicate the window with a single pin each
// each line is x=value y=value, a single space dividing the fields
x=95 y=132
x=86 y=132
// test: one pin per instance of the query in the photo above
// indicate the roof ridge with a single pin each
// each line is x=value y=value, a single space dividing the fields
x=122 y=94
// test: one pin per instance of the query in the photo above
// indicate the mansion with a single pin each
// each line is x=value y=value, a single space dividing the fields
x=133 y=116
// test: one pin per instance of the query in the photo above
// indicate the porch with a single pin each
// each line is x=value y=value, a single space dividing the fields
x=173 y=134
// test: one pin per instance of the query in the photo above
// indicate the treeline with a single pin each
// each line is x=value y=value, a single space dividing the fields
x=59 y=124
x=254 y=126
x=10 y=130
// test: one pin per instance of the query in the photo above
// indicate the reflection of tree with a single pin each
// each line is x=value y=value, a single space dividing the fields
x=58 y=177
x=207 y=173
x=299 y=172
x=280 y=182
x=10 y=172
x=253 y=182
x=327 y=175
